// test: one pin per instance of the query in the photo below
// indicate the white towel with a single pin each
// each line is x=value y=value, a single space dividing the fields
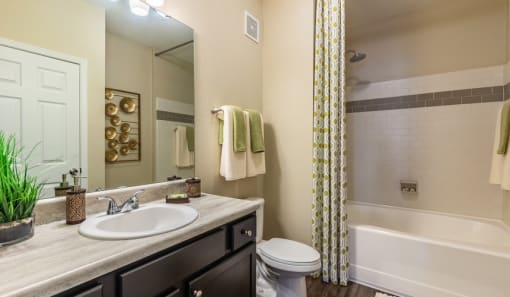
x=255 y=162
x=232 y=165
x=500 y=169
x=183 y=157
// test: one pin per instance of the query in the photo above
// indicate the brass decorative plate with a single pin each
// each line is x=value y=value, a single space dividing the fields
x=110 y=133
x=124 y=138
x=127 y=105
x=124 y=150
x=112 y=155
x=133 y=144
x=108 y=94
x=113 y=144
x=125 y=127
x=111 y=109
x=115 y=120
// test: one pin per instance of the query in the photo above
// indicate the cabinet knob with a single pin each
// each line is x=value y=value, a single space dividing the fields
x=248 y=233
x=197 y=293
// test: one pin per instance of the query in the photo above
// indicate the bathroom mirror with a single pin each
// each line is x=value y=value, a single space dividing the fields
x=152 y=56
x=93 y=85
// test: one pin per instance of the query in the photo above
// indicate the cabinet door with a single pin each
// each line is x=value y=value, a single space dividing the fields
x=234 y=277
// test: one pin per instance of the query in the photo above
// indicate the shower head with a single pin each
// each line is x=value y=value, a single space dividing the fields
x=356 y=57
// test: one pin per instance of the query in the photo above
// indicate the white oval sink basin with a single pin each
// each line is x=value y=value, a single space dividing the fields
x=148 y=220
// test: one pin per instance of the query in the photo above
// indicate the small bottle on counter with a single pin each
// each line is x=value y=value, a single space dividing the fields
x=75 y=200
x=63 y=187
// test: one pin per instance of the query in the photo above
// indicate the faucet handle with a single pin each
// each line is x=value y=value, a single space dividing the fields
x=112 y=204
x=135 y=199
x=138 y=192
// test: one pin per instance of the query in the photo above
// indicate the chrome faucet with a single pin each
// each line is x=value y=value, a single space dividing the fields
x=128 y=205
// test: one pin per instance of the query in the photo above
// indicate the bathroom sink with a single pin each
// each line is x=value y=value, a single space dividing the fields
x=148 y=220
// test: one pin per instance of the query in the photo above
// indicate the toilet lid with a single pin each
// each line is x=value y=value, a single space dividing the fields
x=288 y=251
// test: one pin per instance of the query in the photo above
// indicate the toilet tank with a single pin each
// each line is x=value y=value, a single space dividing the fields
x=260 y=216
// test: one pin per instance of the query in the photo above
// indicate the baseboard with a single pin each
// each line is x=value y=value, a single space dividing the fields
x=395 y=285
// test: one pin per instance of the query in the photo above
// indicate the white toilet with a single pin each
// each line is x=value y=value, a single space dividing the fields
x=282 y=264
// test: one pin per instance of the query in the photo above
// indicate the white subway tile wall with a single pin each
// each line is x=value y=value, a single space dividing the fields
x=447 y=149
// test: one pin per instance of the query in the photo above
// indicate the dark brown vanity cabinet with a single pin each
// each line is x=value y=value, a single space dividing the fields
x=219 y=263
x=232 y=278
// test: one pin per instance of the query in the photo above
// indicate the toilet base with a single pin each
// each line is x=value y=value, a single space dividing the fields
x=292 y=287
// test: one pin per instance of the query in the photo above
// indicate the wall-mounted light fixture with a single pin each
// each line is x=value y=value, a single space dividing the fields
x=139 y=7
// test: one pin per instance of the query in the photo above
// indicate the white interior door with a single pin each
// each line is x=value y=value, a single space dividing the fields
x=40 y=105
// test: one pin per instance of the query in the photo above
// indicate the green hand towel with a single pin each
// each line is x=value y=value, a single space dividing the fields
x=190 y=137
x=504 y=129
x=256 y=131
x=220 y=131
x=239 y=130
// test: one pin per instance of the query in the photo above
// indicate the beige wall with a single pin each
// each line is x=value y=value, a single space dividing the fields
x=228 y=70
x=129 y=68
x=432 y=43
x=173 y=80
x=287 y=106
x=72 y=27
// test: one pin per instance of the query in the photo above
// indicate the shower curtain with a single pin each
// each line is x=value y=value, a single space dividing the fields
x=329 y=221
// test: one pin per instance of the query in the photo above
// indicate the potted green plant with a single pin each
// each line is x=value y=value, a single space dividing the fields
x=18 y=193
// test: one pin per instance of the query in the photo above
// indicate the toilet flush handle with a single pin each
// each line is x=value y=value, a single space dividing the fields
x=248 y=233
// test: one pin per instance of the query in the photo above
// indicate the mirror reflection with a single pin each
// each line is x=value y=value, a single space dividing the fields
x=151 y=56
x=148 y=88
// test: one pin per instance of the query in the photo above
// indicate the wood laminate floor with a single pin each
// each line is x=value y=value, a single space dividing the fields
x=316 y=288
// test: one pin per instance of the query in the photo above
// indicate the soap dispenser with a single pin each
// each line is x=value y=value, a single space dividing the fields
x=75 y=200
x=64 y=186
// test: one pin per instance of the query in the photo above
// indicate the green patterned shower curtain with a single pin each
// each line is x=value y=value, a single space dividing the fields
x=329 y=222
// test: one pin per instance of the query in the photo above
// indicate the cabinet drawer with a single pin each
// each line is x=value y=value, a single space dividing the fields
x=234 y=277
x=96 y=291
x=243 y=232
x=160 y=275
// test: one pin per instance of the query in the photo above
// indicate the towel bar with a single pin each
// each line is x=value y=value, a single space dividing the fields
x=216 y=109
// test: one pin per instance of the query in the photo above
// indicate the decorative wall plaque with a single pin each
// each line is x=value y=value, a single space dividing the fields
x=122 y=126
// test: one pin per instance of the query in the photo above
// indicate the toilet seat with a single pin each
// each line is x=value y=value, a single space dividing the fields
x=288 y=255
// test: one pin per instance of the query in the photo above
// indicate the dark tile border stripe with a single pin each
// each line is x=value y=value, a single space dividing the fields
x=174 y=117
x=454 y=97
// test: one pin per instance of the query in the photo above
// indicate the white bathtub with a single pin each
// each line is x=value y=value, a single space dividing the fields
x=427 y=254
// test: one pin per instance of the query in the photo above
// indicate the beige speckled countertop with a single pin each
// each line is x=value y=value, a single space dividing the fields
x=58 y=257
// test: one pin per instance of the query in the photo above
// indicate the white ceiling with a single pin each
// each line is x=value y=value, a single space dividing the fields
x=153 y=31
x=364 y=15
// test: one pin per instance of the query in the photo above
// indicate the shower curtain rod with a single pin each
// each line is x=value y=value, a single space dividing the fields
x=173 y=48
